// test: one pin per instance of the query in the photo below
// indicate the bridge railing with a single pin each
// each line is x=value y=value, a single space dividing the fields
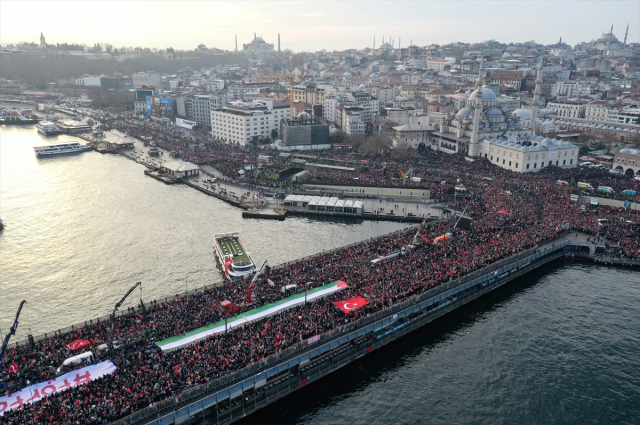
x=301 y=347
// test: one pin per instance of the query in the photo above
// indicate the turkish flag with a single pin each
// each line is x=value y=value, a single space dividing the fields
x=13 y=368
x=78 y=344
x=503 y=212
x=351 y=304
x=226 y=265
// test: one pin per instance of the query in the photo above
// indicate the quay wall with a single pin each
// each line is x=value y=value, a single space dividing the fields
x=232 y=397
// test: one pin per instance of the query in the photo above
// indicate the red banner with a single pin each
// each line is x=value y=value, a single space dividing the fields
x=351 y=304
x=503 y=212
x=78 y=344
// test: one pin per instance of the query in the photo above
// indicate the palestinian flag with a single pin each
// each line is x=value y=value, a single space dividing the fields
x=249 y=316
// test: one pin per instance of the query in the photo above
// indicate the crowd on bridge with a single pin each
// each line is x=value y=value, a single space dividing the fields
x=509 y=212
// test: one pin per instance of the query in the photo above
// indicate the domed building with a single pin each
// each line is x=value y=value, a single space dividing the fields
x=257 y=45
x=607 y=43
x=482 y=129
x=627 y=161
x=455 y=131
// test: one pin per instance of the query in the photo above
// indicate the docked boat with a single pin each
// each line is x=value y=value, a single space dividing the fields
x=232 y=255
x=18 y=120
x=47 y=128
x=60 y=148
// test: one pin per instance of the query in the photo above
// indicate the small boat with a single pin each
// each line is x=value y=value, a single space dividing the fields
x=234 y=258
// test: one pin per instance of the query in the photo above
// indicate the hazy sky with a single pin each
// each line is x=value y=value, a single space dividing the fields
x=314 y=25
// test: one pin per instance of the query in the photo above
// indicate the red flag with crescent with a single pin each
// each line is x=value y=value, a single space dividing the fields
x=13 y=368
x=78 y=344
x=351 y=304
x=227 y=263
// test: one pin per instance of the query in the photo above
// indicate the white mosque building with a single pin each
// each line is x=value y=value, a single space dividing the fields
x=482 y=129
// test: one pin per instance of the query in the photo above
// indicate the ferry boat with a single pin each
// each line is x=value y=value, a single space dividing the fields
x=60 y=148
x=18 y=120
x=232 y=255
x=48 y=128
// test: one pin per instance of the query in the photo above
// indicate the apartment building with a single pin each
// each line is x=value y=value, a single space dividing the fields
x=370 y=105
x=569 y=108
x=242 y=122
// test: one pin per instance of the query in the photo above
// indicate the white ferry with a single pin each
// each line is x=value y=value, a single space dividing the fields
x=47 y=128
x=60 y=148
x=232 y=255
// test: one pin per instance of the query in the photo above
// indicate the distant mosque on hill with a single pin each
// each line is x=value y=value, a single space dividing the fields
x=482 y=129
x=608 y=44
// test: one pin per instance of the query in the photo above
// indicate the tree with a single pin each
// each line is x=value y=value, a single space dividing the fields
x=609 y=140
x=274 y=134
x=338 y=137
x=402 y=151
x=374 y=145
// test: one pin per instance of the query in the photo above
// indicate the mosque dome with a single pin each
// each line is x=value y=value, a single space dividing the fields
x=522 y=113
x=487 y=95
x=362 y=87
x=548 y=124
x=386 y=46
x=465 y=112
x=494 y=113
x=609 y=37
x=374 y=76
x=347 y=75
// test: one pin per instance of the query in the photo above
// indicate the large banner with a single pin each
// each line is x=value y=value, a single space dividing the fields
x=61 y=383
x=185 y=123
x=149 y=105
x=241 y=319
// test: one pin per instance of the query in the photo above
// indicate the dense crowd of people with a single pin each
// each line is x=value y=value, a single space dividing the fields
x=510 y=213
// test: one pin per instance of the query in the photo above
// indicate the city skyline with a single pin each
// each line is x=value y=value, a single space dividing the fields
x=304 y=27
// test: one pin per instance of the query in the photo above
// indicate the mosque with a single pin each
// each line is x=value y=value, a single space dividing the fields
x=482 y=129
x=607 y=43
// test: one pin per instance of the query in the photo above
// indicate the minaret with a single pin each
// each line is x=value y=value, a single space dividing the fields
x=536 y=98
x=278 y=42
x=610 y=36
x=374 y=42
x=474 y=143
x=236 y=42
x=399 y=40
x=625 y=36
x=254 y=35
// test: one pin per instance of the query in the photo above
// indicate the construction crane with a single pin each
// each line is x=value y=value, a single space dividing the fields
x=249 y=297
x=113 y=315
x=291 y=79
x=12 y=331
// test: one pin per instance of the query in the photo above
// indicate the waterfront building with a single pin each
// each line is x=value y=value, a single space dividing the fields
x=303 y=133
x=181 y=169
x=244 y=122
x=482 y=129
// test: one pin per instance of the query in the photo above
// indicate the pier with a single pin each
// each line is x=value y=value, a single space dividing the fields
x=235 y=396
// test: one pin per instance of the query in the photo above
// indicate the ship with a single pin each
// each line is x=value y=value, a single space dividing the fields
x=47 y=128
x=61 y=148
x=234 y=258
x=19 y=120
